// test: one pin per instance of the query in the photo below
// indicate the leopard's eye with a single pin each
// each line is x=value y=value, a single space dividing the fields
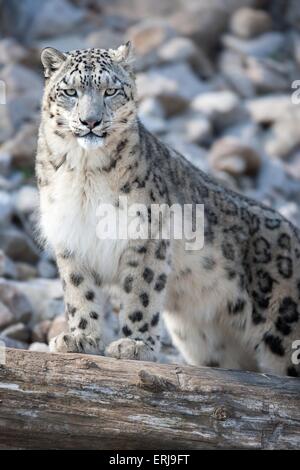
x=110 y=91
x=70 y=92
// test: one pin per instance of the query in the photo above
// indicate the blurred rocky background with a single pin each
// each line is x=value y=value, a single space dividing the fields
x=215 y=82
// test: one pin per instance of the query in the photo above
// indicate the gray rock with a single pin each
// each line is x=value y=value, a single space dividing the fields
x=7 y=267
x=234 y=157
x=15 y=300
x=178 y=49
x=271 y=108
x=47 y=269
x=193 y=127
x=173 y=85
x=267 y=75
x=6 y=208
x=18 y=246
x=284 y=136
x=204 y=24
x=18 y=331
x=13 y=343
x=6 y=316
x=265 y=45
x=148 y=35
x=5 y=164
x=67 y=42
x=59 y=325
x=25 y=271
x=22 y=146
x=55 y=18
x=105 y=38
x=45 y=297
x=40 y=331
x=195 y=154
x=26 y=200
x=249 y=22
x=21 y=80
x=11 y=51
x=293 y=13
x=39 y=347
x=223 y=108
x=232 y=66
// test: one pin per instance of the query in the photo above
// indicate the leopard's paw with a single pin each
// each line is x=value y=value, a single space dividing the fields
x=77 y=343
x=127 y=348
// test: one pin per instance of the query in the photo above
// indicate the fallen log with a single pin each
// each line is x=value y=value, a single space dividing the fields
x=77 y=401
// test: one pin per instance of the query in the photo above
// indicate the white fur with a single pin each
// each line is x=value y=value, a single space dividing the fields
x=70 y=220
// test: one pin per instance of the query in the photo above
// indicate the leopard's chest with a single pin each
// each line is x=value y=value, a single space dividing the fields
x=71 y=209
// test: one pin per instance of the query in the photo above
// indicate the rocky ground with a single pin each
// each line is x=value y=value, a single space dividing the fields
x=215 y=82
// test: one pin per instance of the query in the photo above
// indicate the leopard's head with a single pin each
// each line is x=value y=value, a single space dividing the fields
x=90 y=95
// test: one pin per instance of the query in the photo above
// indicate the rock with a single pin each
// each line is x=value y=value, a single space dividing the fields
x=18 y=246
x=13 y=343
x=5 y=163
x=151 y=107
x=21 y=80
x=293 y=13
x=39 y=347
x=6 y=316
x=173 y=85
x=266 y=45
x=223 y=108
x=6 y=121
x=148 y=35
x=26 y=200
x=153 y=124
x=25 y=271
x=248 y=22
x=22 y=147
x=178 y=49
x=7 y=267
x=6 y=208
x=230 y=155
x=45 y=297
x=15 y=301
x=11 y=51
x=40 y=331
x=18 y=331
x=192 y=152
x=47 y=269
x=194 y=127
x=59 y=325
x=55 y=18
x=152 y=115
x=268 y=76
x=232 y=66
x=203 y=24
x=105 y=39
x=284 y=136
x=67 y=42
x=268 y=109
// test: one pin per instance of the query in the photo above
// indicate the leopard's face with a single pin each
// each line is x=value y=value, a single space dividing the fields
x=90 y=94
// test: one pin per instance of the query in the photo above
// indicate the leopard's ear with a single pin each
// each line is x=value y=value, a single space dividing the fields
x=52 y=59
x=124 y=55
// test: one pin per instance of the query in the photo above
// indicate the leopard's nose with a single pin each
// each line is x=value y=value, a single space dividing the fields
x=91 y=124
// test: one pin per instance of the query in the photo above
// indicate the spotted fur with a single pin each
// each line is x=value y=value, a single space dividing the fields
x=234 y=303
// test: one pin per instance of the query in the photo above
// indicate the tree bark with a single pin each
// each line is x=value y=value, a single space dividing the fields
x=77 y=401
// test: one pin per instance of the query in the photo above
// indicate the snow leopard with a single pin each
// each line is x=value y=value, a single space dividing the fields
x=233 y=303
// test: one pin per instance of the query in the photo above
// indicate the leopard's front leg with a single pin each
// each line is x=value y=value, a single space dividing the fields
x=143 y=275
x=84 y=303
